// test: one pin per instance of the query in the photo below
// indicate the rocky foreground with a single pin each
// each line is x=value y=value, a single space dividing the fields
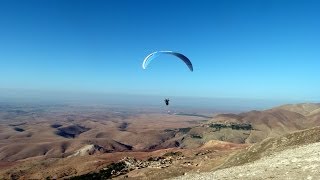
x=298 y=163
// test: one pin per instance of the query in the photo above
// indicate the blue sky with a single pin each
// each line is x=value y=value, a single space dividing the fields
x=259 y=49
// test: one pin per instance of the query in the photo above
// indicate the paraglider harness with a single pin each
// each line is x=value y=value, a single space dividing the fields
x=167 y=101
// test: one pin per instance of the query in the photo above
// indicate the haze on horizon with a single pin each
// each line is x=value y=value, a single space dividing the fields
x=147 y=103
x=250 y=50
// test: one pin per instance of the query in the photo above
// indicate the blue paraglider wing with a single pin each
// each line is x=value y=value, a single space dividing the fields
x=153 y=55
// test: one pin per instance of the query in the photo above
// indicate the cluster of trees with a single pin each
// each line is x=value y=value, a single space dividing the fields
x=242 y=126
x=196 y=136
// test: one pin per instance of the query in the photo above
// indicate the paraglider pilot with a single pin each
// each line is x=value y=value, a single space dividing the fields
x=167 y=101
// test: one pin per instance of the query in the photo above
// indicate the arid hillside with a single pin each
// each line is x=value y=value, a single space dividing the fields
x=292 y=156
x=272 y=122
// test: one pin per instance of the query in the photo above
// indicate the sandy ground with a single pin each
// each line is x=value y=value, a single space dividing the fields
x=298 y=163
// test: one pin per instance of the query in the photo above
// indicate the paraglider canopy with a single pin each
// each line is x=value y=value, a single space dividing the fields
x=153 y=55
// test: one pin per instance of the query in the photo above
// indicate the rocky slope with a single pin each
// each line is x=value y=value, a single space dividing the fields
x=293 y=156
x=298 y=163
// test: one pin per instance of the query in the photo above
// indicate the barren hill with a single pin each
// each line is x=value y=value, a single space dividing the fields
x=292 y=156
x=305 y=109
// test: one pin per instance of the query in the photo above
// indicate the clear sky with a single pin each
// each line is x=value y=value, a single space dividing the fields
x=265 y=49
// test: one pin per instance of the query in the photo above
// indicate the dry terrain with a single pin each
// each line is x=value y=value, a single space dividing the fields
x=68 y=141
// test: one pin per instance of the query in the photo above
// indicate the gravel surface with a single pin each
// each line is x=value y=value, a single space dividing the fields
x=299 y=163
